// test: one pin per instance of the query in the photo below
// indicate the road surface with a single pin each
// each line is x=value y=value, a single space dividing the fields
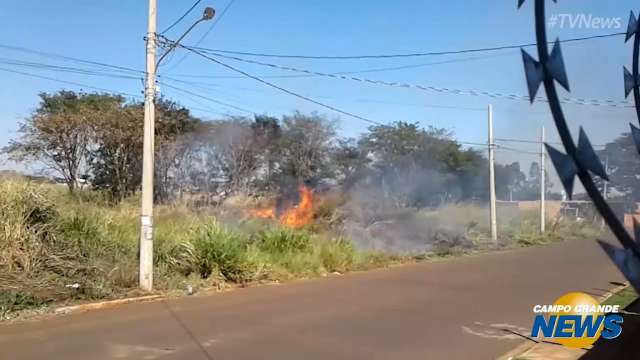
x=452 y=309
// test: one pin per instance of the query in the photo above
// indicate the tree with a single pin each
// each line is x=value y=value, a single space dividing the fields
x=236 y=153
x=623 y=164
x=423 y=167
x=59 y=133
x=174 y=125
x=350 y=162
x=305 y=147
x=116 y=160
x=267 y=136
x=510 y=181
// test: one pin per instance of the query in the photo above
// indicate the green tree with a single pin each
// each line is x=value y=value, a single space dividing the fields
x=267 y=136
x=623 y=163
x=510 y=181
x=117 y=157
x=305 y=146
x=423 y=167
x=350 y=162
x=59 y=134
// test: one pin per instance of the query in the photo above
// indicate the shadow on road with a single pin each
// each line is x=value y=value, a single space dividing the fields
x=624 y=347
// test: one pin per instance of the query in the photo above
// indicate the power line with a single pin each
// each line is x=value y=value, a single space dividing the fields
x=82 y=85
x=321 y=104
x=181 y=17
x=69 y=58
x=416 y=54
x=283 y=89
x=222 y=14
x=381 y=69
x=42 y=66
x=213 y=25
x=470 y=143
x=70 y=82
x=207 y=98
x=507 y=148
x=538 y=142
x=590 y=102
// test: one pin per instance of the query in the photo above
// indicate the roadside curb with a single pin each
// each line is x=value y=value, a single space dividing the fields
x=104 y=304
x=542 y=351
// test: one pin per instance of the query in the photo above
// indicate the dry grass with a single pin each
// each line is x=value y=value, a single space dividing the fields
x=57 y=248
x=60 y=248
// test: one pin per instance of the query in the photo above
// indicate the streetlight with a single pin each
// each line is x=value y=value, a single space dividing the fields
x=208 y=14
x=146 y=215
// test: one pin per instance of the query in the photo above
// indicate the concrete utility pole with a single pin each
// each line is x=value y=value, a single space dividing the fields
x=146 y=215
x=492 y=180
x=543 y=190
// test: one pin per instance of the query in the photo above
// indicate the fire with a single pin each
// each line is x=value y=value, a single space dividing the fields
x=296 y=216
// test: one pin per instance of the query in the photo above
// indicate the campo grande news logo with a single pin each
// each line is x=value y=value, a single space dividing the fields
x=576 y=320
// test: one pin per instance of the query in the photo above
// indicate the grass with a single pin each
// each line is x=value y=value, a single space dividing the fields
x=57 y=248
x=623 y=298
x=525 y=231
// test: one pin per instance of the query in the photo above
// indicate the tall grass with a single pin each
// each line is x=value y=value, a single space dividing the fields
x=57 y=247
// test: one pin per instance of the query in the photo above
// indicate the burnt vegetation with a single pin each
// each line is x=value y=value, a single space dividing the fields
x=97 y=139
x=326 y=203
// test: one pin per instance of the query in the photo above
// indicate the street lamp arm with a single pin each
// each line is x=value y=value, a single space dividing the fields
x=208 y=15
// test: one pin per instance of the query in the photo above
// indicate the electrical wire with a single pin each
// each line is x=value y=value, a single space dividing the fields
x=181 y=17
x=592 y=102
x=215 y=22
x=568 y=100
x=86 y=86
x=382 y=69
x=507 y=148
x=71 y=83
x=209 y=110
x=207 y=98
x=416 y=54
x=42 y=66
x=284 y=90
x=69 y=58
x=536 y=142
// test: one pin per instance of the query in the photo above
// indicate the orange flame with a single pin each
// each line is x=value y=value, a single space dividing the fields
x=296 y=216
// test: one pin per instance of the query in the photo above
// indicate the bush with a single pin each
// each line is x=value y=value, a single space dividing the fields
x=26 y=235
x=55 y=247
x=12 y=301
x=283 y=241
x=220 y=250
x=337 y=255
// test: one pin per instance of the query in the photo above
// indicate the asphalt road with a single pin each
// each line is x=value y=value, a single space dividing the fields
x=453 y=309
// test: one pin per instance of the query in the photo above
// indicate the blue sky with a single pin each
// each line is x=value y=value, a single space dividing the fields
x=112 y=32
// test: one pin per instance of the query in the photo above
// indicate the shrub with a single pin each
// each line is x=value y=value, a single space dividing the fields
x=283 y=241
x=337 y=255
x=26 y=234
x=220 y=250
x=12 y=301
x=50 y=240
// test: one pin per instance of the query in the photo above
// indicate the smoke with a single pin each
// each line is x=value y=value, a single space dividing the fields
x=410 y=212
